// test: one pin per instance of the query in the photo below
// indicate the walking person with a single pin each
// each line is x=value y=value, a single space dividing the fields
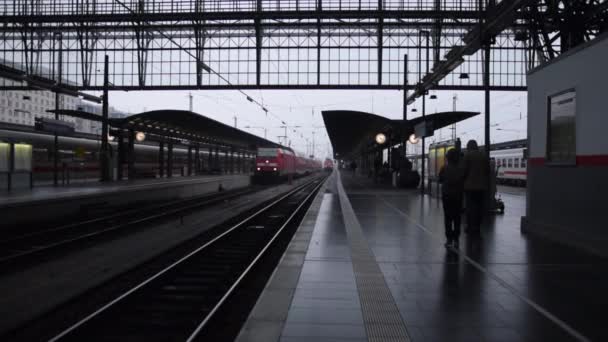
x=476 y=173
x=377 y=168
x=451 y=178
x=353 y=167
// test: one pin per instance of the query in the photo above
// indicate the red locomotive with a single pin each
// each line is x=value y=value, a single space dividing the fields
x=275 y=162
x=328 y=164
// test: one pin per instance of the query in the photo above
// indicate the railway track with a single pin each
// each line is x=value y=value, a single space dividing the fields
x=32 y=245
x=177 y=303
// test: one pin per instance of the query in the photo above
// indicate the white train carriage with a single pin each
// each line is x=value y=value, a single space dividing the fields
x=511 y=164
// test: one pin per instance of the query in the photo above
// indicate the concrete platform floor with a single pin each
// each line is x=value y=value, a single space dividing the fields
x=504 y=287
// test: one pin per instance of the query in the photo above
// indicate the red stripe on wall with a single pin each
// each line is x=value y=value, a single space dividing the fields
x=593 y=160
x=589 y=160
x=536 y=161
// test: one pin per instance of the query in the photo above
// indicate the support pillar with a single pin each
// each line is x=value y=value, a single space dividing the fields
x=161 y=159
x=216 y=163
x=105 y=156
x=189 y=171
x=197 y=160
x=121 y=157
x=131 y=155
x=57 y=108
x=210 y=160
x=11 y=165
x=232 y=160
x=423 y=167
x=169 y=159
x=486 y=86
x=405 y=72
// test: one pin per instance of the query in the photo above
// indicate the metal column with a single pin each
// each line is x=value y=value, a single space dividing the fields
x=161 y=159
x=197 y=160
x=121 y=157
x=210 y=159
x=169 y=159
x=57 y=108
x=104 y=157
x=217 y=159
x=189 y=172
x=423 y=167
x=232 y=160
x=11 y=165
x=405 y=71
x=131 y=154
x=486 y=85
x=485 y=41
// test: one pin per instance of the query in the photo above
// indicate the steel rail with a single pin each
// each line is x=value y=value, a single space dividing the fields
x=64 y=242
x=185 y=258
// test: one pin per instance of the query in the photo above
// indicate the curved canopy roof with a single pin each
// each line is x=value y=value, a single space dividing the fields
x=184 y=125
x=188 y=125
x=350 y=131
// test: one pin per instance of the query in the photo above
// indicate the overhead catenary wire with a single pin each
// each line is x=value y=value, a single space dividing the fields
x=203 y=65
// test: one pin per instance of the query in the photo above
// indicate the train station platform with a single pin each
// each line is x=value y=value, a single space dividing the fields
x=368 y=263
x=49 y=202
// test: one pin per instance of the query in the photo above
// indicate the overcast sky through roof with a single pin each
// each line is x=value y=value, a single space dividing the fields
x=303 y=108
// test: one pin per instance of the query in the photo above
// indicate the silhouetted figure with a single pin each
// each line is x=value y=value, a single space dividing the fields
x=353 y=166
x=377 y=168
x=476 y=171
x=451 y=177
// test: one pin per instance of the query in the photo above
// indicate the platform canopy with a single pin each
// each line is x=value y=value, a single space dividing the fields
x=351 y=131
x=181 y=125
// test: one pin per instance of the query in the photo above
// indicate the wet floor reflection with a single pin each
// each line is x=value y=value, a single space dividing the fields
x=443 y=297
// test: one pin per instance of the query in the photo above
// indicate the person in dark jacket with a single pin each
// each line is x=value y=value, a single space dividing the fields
x=451 y=177
x=476 y=173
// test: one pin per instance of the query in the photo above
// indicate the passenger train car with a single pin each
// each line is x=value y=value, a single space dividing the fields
x=511 y=159
x=274 y=162
x=79 y=156
x=511 y=165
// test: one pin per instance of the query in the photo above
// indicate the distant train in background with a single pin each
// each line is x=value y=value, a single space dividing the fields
x=328 y=164
x=275 y=163
x=511 y=160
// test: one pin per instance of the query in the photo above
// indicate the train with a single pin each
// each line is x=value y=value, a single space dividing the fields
x=510 y=159
x=328 y=165
x=282 y=162
x=79 y=157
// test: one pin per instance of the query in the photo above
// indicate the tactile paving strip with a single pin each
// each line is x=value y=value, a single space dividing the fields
x=381 y=317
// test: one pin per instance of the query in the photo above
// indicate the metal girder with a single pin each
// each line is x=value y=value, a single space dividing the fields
x=258 y=44
x=143 y=42
x=497 y=19
x=248 y=15
x=380 y=41
x=104 y=28
x=287 y=86
x=200 y=36
x=335 y=44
